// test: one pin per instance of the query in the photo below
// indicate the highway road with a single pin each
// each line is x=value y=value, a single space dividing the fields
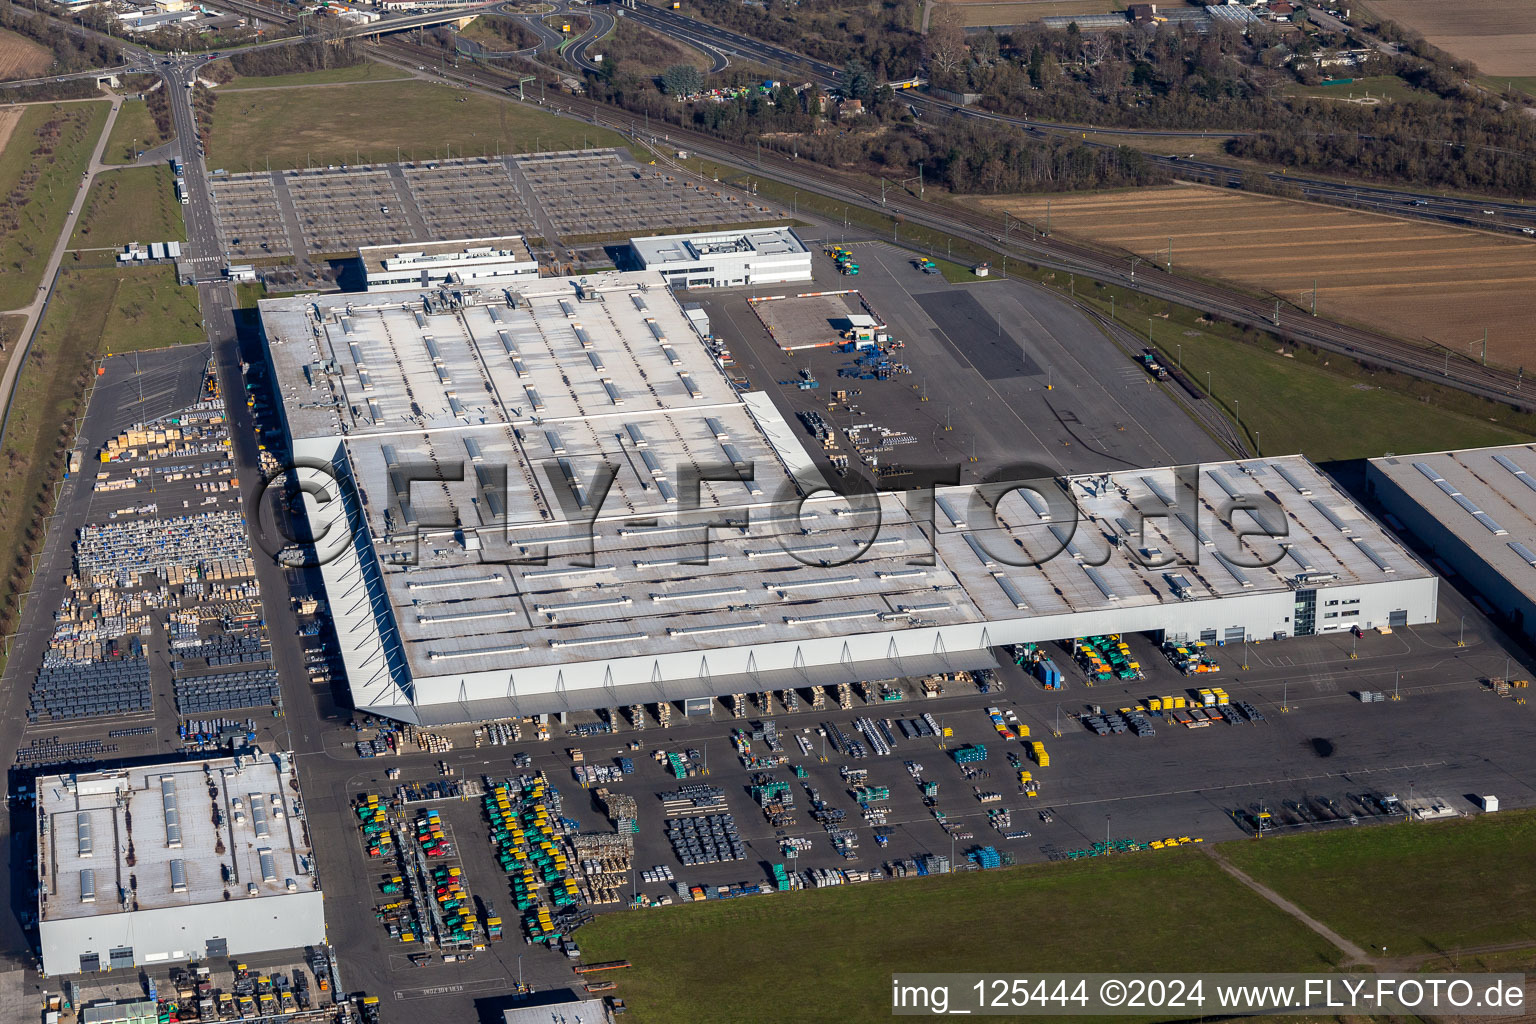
x=1018 y=240
x=1493 y=214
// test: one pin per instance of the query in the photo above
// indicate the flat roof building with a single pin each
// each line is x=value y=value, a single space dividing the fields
x=570 y=1011
x=174 y=862
x=523 y=478
x=726 y=259
x=465 y=262
x=1476 y=510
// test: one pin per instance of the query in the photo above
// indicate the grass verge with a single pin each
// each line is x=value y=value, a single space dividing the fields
x=40 y=171
x=1454 y=884
x=1294 y=399
x=983 y=921
x=366 y=72
x=133 y=132
x=136 y=204
x=418 y=120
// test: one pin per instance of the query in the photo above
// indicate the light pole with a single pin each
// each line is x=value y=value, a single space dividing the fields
x=1461 y=638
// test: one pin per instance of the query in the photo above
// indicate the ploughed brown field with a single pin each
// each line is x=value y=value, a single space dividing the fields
x=1499 y=36
x=1412 y=279
x=20 y=57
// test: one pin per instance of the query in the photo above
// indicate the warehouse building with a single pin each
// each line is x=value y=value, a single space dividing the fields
x=726 y=259
x=467 y=262
x=173 y=862
x=514 y=531
x=1476 y=511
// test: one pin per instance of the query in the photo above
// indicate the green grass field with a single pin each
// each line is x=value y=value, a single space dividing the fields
x=133 y=132
x=38 y=191
x=1388 y=87
x=1499 y=83
x=1454 y=884
x=828 y=954
x=1323 y=407
x=366 y=72
x=340 y=124
x=122 y=309
x=136 y=204
x=10 y=332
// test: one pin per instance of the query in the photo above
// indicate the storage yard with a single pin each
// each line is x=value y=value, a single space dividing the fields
x=1458 y=283
x=869 y=797
x=158 y=639
x=580 y=194
x=169 y=563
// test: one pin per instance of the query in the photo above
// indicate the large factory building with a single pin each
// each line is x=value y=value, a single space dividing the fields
x=178 y=861
x=548 y=498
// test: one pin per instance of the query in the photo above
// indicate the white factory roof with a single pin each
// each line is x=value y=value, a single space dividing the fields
x=86 y=836
x=1485 y=497
x=665 y=250
x=1102 y=562
x=530 y=390
x=447 y=254
x=573 y=1011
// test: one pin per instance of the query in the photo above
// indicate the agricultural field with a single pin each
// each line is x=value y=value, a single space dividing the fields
x=20 y=57
x=136 y=204
x=1473 y=881
x=338 y=124
x=1419 y=281
x=1022 y=12
x=991 y=920
x=133 y=132
x=40 y=169
x=1499 y=36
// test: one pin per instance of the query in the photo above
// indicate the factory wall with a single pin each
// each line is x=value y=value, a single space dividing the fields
x=1510 y=600
x=1261 y=616
x=288 y=921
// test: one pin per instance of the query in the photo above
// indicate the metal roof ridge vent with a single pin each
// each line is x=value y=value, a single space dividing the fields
x=168 y=805
x=592 y=641
x=477 y=652
x=1514 y=467
x=1291 y=478
x=1370 y=552
x=723 y=627
x=803 y=620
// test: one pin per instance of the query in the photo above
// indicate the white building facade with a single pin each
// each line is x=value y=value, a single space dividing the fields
x=726 y=259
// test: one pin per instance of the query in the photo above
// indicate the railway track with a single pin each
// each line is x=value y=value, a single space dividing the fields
x=1268 y=313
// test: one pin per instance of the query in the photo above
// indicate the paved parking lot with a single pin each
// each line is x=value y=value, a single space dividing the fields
x=340 y=210
x=1072 y=400
x=469 y=199
x=601 y=192
x=249 y=216
x=549 y=196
